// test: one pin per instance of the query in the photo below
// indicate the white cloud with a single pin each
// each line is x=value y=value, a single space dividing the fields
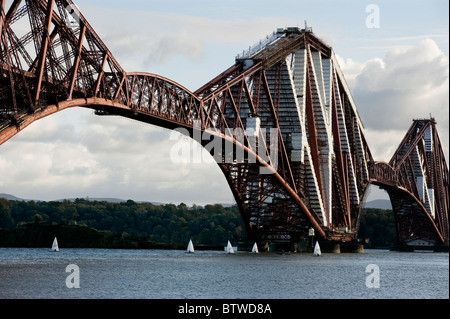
x=350 y=68
x=406 y=84
x=165 y=46
x=103 y=157
x=145 y=40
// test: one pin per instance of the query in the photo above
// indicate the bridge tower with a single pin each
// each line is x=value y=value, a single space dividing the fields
x=290 y=84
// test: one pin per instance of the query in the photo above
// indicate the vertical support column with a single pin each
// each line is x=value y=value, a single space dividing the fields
x=309 y=111
x=101 y=74
x=43 y=51
x=76 y=63
x=343 y=178
x=2 y=19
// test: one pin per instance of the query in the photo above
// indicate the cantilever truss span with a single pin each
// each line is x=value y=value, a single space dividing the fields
x=416 y=179
x=284 y=104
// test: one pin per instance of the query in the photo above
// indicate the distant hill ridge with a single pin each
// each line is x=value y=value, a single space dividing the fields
x=98 y=199
x=11 y=197
x=377 y=203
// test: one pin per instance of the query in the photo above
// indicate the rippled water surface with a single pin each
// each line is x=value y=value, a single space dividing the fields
x=170 y=274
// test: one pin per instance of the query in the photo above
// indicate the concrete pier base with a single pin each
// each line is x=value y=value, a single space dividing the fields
x=327 y=246
x=337 y=247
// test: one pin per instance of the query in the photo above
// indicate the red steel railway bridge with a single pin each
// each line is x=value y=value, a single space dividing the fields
x=284 y=104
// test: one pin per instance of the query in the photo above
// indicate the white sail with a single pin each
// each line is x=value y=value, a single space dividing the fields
x=55 y=246
x=229 y=249
x=255 y=249
x=317 y=251
x=190 y=247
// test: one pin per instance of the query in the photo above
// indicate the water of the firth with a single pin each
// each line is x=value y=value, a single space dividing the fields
x=170 y=274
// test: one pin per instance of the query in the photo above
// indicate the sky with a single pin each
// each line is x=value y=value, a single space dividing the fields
x=395 y=60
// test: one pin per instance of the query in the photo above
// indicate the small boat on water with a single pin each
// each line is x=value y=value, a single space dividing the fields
x=317 y=251
x=190 y=247
x=255 y=249
x=55 y=246
x=229 y=249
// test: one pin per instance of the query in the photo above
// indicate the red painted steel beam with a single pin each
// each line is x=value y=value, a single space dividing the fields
x=218 y=79
x=2 y=17
x=411 y=147
x=101 y=74
x=159 y=77
x=43 y=50
x=343 y=178
x=225 y=86
x=12 y=9
x=309 y=110
x=76 y=63
x=440 y=184
x=419 y=203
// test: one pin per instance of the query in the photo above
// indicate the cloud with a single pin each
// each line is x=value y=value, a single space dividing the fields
x=145 y=40
x=422 y=67
x=165 y=46
x=408 y=83
x=103 y=157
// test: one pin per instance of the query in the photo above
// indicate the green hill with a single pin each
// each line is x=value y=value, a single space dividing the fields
x=86 y=223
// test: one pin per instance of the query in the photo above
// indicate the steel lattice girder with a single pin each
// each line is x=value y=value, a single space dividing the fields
x=416 y=179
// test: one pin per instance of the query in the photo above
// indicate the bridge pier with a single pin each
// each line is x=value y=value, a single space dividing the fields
x=337 y=247
x=326 y=246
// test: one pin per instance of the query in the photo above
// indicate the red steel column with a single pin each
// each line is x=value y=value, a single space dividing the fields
x=44 y=47
x=77 y=61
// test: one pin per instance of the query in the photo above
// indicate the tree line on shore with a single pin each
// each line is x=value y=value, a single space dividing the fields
x=84 y=223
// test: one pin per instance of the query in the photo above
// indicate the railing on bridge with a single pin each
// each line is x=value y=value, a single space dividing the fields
x=383 y=173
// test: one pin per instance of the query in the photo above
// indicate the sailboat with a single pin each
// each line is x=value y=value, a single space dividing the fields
x=317 y=251
x=229 y=249
x=190 y=247
x=55 y=246
x=255 y=249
